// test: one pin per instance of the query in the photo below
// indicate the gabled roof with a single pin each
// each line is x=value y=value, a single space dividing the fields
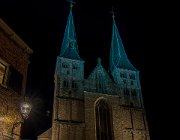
x=99 y=79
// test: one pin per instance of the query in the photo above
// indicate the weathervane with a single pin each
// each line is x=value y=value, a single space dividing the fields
x=71 y=3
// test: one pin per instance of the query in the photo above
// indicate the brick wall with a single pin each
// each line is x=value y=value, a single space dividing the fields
x=14 y=55
x=17 y=57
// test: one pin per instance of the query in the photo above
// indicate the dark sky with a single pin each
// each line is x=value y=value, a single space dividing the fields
x=41 y=24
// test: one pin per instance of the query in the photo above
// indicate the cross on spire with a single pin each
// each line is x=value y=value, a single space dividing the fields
x=71 y=3
x=112 y=12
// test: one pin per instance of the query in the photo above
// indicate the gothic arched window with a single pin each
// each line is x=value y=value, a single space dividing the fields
x=103 y=121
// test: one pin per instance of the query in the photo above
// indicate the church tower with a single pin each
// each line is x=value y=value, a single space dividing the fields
x=125 y=75
x=105 y=106
x=68 y=112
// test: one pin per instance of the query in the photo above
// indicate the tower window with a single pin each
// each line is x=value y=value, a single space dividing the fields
x=100 y=86
x=67 y=72
x=103 y=121
x=134 y=93
x=74 y=67
x=123 y=75
x=65 y=83
x=132 y=76
x=132 y=82
x=126 y=92
x=124 y=81
x=64 y=65
x=74 y=84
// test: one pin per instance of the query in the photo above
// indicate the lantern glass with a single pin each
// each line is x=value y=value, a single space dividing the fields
x=25 y=109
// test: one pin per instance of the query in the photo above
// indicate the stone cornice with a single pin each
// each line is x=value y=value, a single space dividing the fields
x=13 y=36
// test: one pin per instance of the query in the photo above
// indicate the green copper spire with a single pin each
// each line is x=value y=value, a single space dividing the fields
x=118 y=57
x=69 y=47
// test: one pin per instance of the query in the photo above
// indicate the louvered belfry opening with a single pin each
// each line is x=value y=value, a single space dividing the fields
x=103 y=121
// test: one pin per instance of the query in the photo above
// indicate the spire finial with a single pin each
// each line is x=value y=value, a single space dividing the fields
x=71 y=3
x=112 y=12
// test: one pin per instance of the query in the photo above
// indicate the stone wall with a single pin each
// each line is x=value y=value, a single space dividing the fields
x=67 y=131
x=127 y=123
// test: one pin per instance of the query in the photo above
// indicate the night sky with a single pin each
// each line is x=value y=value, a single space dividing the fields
x=41 y=24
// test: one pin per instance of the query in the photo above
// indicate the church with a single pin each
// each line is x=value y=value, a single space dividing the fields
x=104 y=106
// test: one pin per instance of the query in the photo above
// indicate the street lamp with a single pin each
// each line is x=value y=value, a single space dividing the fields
x=25 y=109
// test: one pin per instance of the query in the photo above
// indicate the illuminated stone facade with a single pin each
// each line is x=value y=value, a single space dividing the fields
x=14 y=60
x=105 y=106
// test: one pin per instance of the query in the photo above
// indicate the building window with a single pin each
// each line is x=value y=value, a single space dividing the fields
x=100 y=85
x=15 y=79
x=103 y=121
x=64 y=65
x=134 y=93
x=67 y=72
x=10 y=77
x=74 y=84
x=3 y=72
x=74 y=67
x=65 y=83
x=132 y=76
x=125 y=82
x=126 y=92
x=123 y=75
x=132 y=83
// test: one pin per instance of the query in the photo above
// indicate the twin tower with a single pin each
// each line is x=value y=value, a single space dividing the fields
x=101 y=107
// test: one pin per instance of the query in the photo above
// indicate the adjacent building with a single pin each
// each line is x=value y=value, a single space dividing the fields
x=14 y=60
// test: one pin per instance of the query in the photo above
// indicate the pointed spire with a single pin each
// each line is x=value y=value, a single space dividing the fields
x=69 y=48
x=118 y=57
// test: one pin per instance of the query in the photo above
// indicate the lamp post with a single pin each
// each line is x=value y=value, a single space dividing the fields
x=25 y=109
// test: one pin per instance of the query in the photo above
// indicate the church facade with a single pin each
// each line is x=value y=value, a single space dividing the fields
x=105 y=106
